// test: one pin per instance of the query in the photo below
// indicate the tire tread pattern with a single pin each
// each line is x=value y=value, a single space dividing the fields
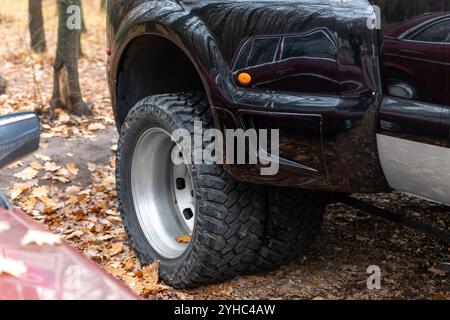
x=230 y=226
x=294 y=220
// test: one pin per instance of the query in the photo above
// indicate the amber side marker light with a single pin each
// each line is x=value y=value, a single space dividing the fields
x=244 y=78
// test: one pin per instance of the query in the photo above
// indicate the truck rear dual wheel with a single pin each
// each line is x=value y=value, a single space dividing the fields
x=201 y=224
x=294 y=219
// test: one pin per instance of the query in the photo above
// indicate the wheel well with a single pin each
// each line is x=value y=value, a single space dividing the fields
x=153 y=65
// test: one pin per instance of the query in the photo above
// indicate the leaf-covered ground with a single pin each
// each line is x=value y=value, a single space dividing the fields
x=69 y=186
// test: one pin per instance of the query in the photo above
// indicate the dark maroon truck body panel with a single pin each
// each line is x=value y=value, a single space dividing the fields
x=319 y=77
x=327 y=126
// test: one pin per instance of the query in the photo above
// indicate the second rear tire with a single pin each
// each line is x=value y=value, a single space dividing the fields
x=293 y=222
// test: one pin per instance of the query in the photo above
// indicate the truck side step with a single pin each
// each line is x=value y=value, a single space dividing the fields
x=395 y=217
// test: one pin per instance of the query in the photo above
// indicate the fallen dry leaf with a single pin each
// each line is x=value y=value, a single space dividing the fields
x=318 y=298
x=437 y=271
x=148 y=283
x=72 y=168
x=63 y=172
x=36 y=165
x=439 y=297
x=40 y=238
x=26 y=174
x=15 y=165
x=151 y=272
x=117 y=272
x=73 y=190
x=17 y=189
x=129 y=264
x=105 y=237
x=96 y=126
x=40 y=192
x=28 y=204
x=75 y=234
x=42 y=157
x=61 y=178
x=116 y=248
x=184 y=239
x=62 y=116
x=51 y=166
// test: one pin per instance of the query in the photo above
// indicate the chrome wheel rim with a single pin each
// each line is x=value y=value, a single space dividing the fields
x=163 y=194
x=401 y=89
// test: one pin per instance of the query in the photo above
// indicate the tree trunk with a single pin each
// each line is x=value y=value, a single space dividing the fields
x=66 y=85
x=83 y=23
x=36 y=25
x=3 y=85
x=103 y=4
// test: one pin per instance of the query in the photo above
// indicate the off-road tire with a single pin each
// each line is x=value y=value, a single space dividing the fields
x=294 y=220
x=230 y=219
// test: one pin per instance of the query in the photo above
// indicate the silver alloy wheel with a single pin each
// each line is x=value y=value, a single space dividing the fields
x=163 y=193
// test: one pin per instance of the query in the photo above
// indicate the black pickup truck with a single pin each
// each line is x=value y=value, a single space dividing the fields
x=356 y=91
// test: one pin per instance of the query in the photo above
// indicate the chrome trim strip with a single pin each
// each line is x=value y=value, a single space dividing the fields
x=416 y=168
x=421 y=27
x=16 y=118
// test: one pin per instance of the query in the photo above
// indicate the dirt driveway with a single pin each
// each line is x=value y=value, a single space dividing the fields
x=412 y=264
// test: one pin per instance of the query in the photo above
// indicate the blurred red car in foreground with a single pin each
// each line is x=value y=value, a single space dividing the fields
x=47 y=271
x=52 y=272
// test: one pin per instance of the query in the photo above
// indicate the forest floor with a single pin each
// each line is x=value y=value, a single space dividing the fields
x=69 y=186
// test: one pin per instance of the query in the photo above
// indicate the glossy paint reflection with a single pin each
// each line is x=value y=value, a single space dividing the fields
x=414 y=56
x=416 y=70
x=413 y=120
x=314 y=67
x=305 y=63
x=291 y=63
